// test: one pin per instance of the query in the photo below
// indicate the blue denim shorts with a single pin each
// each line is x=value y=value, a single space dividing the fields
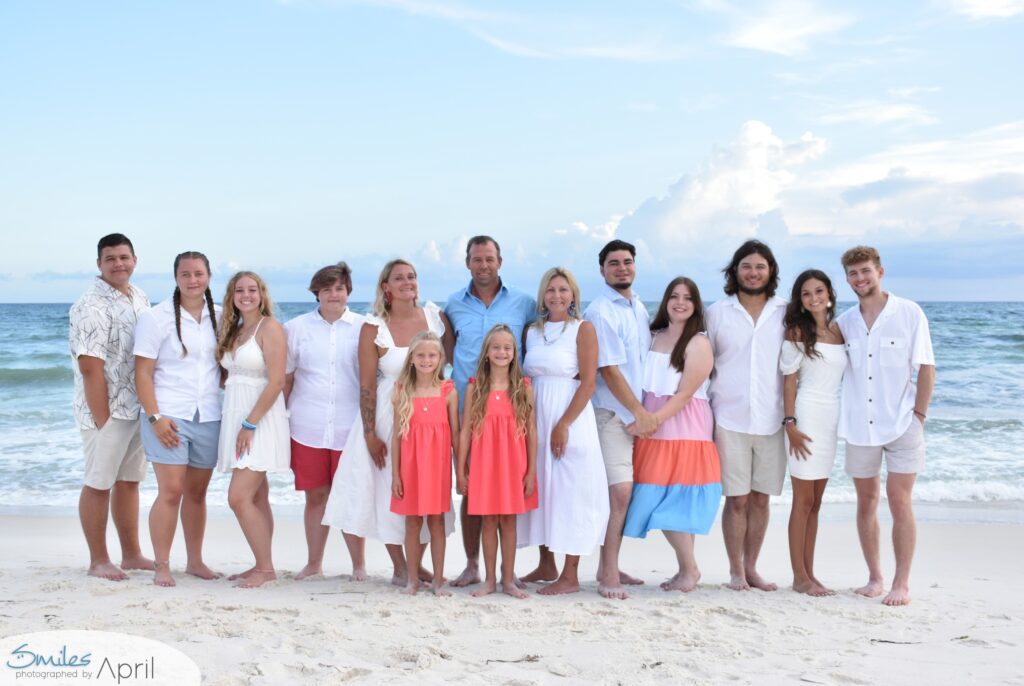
x=197 y=448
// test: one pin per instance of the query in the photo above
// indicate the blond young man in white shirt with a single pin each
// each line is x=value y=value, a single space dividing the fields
x=322 y=392
x=102 y=331
x=746 y=331
x=884 y=411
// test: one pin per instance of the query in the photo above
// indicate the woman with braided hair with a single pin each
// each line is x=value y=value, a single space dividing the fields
x=178 y=380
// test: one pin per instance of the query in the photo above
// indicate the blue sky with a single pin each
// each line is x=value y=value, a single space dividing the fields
x=279 y=136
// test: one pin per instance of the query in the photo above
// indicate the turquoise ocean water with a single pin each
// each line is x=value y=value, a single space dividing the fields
x=975 y=429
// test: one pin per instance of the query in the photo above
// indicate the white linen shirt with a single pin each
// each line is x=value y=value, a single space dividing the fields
x=102 y=325
x=184 y=385
x=623 y=339
x=324 y=358
x=746 y=385
x=878 y=387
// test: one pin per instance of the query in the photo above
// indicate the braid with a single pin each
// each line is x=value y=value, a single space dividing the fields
x=213 y=312
x=177 y=319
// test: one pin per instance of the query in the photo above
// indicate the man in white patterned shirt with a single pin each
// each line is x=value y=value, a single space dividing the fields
x=102 y=336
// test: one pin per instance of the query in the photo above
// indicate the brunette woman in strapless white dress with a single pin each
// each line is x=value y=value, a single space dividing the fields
x=812 y=361
x=254 y=424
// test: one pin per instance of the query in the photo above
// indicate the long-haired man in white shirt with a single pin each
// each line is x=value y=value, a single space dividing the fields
x=746 y=332
x=884 y=411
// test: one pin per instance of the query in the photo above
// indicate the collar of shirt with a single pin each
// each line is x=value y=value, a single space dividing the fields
x=772 y=303
x=167 y=307
x=467 y=292
x=888 y=310
x=615 y=295
x=348 y=316
x=105 y=289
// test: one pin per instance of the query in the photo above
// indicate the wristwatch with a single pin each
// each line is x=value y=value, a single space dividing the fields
x=154 y=418
x=788 y=420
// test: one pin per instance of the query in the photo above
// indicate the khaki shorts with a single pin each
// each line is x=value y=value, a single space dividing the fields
x=616 y=447
x=751 y=462
x=113 y=453
x=905 y=455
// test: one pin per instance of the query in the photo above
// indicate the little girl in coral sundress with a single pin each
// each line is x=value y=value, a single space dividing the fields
x=497 y=467
x=426 y=422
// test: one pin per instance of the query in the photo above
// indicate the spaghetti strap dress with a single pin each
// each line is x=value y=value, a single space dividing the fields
x=497 y=461
x=247 y=377
x=426 y=468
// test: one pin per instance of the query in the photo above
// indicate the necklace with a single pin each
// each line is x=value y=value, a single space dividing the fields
x=544 y=332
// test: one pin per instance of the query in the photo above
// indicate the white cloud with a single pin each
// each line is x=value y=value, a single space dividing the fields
x=782 y=27
x=877 y=112
x=987 y=9
x=912 y=92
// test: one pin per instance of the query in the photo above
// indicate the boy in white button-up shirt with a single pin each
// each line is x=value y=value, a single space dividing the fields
x=883 y=414
x=746 y=332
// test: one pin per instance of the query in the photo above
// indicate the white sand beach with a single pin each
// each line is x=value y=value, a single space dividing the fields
x=965 y=625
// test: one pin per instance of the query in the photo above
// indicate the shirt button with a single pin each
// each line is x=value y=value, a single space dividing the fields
x=869 y=399
x=870 y=422
x=869 y=378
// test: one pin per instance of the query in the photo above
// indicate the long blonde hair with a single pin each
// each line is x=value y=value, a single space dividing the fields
x=401 y=396
x=545 y=281
x=231 y=318
x=382 y=306
x=522 y=406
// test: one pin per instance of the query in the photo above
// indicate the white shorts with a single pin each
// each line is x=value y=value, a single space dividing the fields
x=905 y=455
x=113 y=453
x=616 y=446
x=751 y=462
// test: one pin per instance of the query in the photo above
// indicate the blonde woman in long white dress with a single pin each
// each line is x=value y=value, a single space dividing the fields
x=561 y=359
x=360 y=500
x=254 y=423
x=812 y=361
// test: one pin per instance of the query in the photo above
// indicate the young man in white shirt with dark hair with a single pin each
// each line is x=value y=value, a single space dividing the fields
x=746 y=331
x=884 y=411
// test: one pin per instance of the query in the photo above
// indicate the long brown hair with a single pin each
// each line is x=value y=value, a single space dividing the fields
x=522 y=406
x=693 y=326
x=192 y=255
x=751 y=247
x=401 y=396
x=231 y=318
x=799 y=321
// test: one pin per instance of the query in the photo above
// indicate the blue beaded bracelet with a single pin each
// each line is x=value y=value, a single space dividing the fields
x=247 y=425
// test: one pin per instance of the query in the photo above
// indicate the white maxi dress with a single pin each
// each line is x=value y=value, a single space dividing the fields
x=573 y=512
x=360 y=499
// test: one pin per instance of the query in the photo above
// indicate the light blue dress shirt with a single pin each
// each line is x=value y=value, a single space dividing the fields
x=471 y=319
x=623 y=339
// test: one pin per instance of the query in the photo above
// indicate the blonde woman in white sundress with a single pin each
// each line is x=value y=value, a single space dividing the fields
x=812 y=361
x=254 y=425
x=360 y=500
x=561 y=359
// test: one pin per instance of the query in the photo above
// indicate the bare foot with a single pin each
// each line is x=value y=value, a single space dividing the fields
x=544 y=572
x=616 y=592
x=202 y=571
x=488 y=588
x=520 y=584
x=242 y=575
x=108 y=571
x=738 y=582
x=560 y=587
x=513 y=590
x=439 y=590
x=872 y=589
x=310 y=570
x=629 y=580
x=811 y=588
x=899 y=595
x=139 y=562
x=399 y=579
x=162 y=575
x=359 y=574
x=682 y=582
x=426 y=576
x=757 y=581
x=470 y=575
x=411 y=588
x=257 y=578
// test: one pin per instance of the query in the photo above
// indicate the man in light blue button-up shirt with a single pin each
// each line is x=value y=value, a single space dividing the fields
x=623 y=339
x=473 y=311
